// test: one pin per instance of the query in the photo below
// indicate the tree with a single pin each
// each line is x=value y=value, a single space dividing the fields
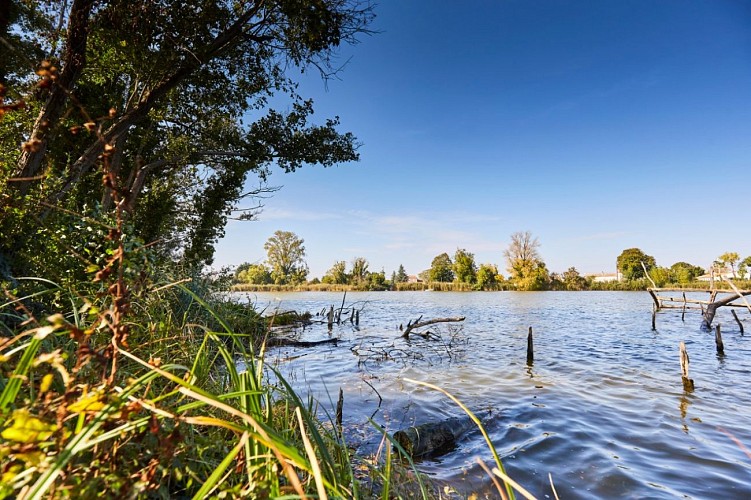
x=157 y=99
x=465 y=268
x=572 y=280
x=683 y=272
x=255 y=274
x=377 y=281
x=337 y=274
x=526 y=268
x=487 y=277
x=401 y=275
x=441 y=269
x=522 y=250
x=360 y=272
x=286 y=254
x=743 y=267
x=729 y=259
x=660 y=275
x=629 y=263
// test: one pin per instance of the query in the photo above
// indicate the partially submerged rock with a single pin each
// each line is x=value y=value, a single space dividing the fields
x=433 y=438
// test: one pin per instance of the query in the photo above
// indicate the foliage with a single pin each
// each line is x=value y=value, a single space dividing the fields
x=487 y=277
x=441 y=269
x=175 y=99
x=521 y=251
x=660 y=275
x=729 y=259
x=377 y=281
x=465 y=268
x=629 y=263
x=684 y=273
x=531 y=276
x=572 y=280
x=360 y=273
x=526 y=269
x=401 y=275
x=337 y=274
x=743 y=267
x=286 y=256
x=256 y=274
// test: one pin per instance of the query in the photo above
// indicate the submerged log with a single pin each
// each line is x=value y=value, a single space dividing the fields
x=420 y=324
x=433 y=438
x=282 y=342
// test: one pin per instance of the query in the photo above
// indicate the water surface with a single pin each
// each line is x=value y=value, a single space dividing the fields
x=602 y=409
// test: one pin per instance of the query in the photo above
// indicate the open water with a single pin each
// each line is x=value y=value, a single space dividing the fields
x=602 y=409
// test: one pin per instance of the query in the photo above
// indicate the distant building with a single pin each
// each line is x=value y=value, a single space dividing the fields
x=413 y=279
x=605 y=277
x=724 y=272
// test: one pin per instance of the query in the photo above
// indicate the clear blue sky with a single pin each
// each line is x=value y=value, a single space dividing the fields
x=596 y=125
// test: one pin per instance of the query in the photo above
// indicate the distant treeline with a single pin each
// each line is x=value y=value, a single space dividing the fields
x=624 y=286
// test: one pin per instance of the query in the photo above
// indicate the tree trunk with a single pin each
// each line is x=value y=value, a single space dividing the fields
x=30 y=163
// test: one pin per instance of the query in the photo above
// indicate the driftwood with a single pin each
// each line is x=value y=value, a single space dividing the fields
x=282 y=342
x=433 y=438
x=711 y=309
x=708 y=307
x=740 y=325
x=419 y=324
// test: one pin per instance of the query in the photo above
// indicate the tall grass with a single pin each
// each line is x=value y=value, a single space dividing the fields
x=177 y=418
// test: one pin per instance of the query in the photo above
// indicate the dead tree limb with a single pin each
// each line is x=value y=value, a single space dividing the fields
x=419 y=324
x=709 y=313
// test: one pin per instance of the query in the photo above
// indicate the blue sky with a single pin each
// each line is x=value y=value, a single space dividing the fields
x=596 y=125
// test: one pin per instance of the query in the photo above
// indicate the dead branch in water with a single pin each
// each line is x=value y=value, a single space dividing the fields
x=420 y=324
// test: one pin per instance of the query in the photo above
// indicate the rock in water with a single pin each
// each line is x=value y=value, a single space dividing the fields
x=433 y=438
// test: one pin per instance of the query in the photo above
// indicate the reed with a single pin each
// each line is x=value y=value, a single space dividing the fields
x=181 y=405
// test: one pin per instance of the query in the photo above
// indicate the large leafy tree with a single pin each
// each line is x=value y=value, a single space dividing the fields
x=161 y=107
x=683 y=272
x=487 y=276
x=465 y=268
x=572 y=280
x=255 y=274
x=525 y=266
x=442 y=269
x=337 y=274
x=286 y=256
x=360 y=271
x=629 y=263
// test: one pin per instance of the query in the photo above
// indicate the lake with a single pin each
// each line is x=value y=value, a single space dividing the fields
x=602 y=409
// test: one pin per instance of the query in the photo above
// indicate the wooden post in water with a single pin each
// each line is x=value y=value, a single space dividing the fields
x=740 y=325
x=331 y=318
x=530 y=348
x=654 y=317
x=718 y=340
x=683 y=314
x=688 y=384
x=357 y=318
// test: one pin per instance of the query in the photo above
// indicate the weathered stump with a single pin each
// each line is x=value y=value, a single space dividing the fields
x=688 y=384
x=718 y=340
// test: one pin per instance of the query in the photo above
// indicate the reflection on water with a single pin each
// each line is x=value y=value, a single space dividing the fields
x=602 y=407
